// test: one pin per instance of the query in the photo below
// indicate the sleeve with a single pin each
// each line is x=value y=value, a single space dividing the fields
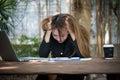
x=44 y=49
x=77 y=51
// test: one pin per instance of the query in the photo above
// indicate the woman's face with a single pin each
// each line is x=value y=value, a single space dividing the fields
x=61 y=35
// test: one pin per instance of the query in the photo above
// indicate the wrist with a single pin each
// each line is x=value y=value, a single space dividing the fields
x=72 y=36
x=49 y=31
x=47 y=36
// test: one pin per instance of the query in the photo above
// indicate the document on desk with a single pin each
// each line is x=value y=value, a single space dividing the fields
x=67 y=59
x=85 y=59
x=61 y=59
x=57 y=59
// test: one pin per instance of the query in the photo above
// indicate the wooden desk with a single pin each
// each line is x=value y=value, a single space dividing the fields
x=94 y=66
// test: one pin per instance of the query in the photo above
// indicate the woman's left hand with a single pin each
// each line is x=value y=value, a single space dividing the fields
x=67 y=25
x=69 y=30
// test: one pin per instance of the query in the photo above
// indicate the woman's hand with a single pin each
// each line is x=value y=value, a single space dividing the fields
x=49 y=24
x=49 y=31
x=69 y=30
x=67 y=25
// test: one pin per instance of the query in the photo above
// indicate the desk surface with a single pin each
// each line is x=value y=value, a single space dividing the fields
x=94 y=66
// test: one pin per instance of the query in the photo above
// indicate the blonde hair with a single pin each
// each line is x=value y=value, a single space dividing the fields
x=81 y=33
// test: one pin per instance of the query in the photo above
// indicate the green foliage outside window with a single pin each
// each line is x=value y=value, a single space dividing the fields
x=27 y=47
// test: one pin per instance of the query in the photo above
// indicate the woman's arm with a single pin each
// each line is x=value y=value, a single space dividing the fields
x=44 y=49
x=73 y=39
x=77 y=51
x=49 y=31
x=47 y=36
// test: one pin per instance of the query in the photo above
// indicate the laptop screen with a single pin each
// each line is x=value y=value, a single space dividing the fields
x=6 y=49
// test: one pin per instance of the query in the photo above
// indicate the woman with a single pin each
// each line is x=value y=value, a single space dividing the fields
x=64 y=37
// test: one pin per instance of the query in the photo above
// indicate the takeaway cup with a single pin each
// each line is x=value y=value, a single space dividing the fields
x=108 y=50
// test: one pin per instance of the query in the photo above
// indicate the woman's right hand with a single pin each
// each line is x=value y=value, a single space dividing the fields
x=49 y=31
x=49 y=24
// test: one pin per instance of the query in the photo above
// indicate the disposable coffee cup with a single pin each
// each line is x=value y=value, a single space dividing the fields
x=108 y=50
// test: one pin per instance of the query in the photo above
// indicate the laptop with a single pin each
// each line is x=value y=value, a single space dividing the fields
x=7 y=52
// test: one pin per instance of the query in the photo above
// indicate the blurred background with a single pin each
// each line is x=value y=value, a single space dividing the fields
x=21 y=19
